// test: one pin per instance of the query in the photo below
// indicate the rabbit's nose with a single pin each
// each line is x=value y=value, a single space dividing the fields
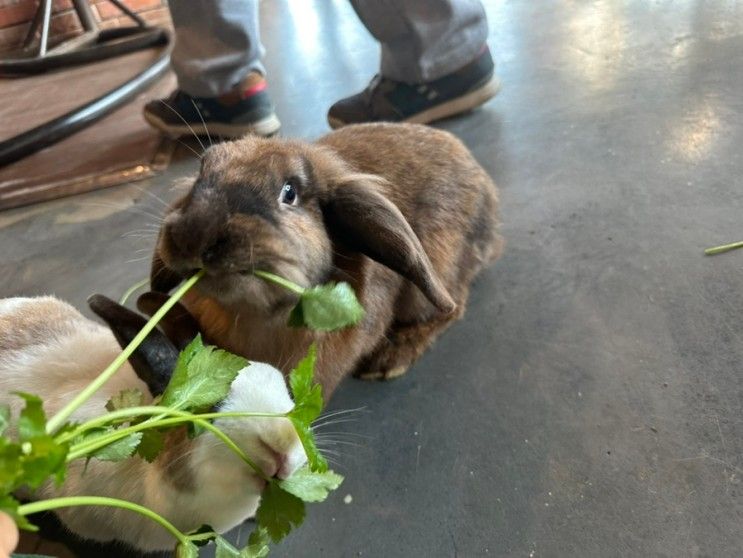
x=194 y=230
x=214 y=252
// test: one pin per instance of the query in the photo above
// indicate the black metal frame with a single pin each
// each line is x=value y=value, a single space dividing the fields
x=91 y=47
x=50 y=132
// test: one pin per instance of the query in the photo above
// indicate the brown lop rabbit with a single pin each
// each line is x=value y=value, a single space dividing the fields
x=402 y=212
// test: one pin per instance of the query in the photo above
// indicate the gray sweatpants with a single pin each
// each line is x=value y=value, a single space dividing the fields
x=218 y=42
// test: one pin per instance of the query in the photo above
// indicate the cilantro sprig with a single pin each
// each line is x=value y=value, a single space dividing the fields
x=202 y=377
x=324 y=307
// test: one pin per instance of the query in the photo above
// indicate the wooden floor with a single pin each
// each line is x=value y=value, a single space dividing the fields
x=120 y=148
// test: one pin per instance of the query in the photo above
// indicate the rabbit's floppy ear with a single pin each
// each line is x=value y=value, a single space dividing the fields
x=178 y=324
x=154 y=360
x=361 y=217
x=162 y=279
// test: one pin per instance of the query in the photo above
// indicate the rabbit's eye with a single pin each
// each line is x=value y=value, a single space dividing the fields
x=289 y=194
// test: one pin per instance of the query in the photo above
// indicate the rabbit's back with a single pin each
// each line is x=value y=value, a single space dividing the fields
x=431 y=173
x=26 y=322
x=49 y=349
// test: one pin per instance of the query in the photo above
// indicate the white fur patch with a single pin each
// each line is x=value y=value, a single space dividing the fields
x=227 y=491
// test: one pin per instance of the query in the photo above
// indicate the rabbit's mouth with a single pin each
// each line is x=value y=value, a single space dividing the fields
x=243 y=287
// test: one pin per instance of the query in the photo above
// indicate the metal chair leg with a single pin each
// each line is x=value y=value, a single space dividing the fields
x=46 y=6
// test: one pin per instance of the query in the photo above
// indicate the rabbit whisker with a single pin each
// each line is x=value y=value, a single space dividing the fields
x=333 y=442
x=330 y=423
x=178 y=114
x=340 y=412
x=152 y=195
x=208 y=135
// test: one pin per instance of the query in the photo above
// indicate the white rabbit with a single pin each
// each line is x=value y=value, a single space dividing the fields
x=49 y=349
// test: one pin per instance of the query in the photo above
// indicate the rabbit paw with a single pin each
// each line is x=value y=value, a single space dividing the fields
x=383 y=375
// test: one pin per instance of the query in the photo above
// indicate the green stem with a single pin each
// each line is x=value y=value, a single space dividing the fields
x=232 y=445
x=289 y=285
x=67 y=502
x=724 y=248
x=131 y=290
x=83 y=449
x=153 y=410
x=58 y=420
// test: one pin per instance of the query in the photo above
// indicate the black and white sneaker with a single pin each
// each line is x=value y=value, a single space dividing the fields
x=394 y=101
x=246 y=109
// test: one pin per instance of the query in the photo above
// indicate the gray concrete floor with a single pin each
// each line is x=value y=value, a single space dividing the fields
x=589 y=404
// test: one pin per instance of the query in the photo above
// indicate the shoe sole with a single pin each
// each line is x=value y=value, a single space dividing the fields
x=455 y=106
x=265 y=127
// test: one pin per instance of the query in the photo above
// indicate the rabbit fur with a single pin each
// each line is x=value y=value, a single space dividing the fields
x=402 y=212
x=49 y=349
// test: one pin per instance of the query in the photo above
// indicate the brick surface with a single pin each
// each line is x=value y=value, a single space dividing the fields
x=12 y=37
x=22 y=11
x=106 y=10
x=15 y=15
x=158 y=16
x=65 y=25
x=109 y=24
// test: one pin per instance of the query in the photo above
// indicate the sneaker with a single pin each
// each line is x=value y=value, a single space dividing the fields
x=394 y=101
x=247 y=109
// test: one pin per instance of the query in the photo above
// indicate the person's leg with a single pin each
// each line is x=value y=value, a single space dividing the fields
x=434 y=62
x=217 y=44
x=423 y=41
x=216 y=59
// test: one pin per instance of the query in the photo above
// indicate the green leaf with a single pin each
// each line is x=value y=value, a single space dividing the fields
x=202 y=377
x=307 y=394
x=151 y=445
x=279 y=511
x=4 y=418
x=196 y=345
x=225 y=549
x=37 y=457
x=314 y=457
x=125 y=399
x=120 y=449
x=307 y=407
x=9 y=505
x=11 y=468
x=296 y=316
x=42 y=457
x=115 y=451
x=32 y=421
x=180 y=373
x=186 y=550
x=327 y=307
x=311 y=486
x=257 y=544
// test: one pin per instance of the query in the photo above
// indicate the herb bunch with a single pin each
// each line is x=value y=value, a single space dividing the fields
x=42 y=448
